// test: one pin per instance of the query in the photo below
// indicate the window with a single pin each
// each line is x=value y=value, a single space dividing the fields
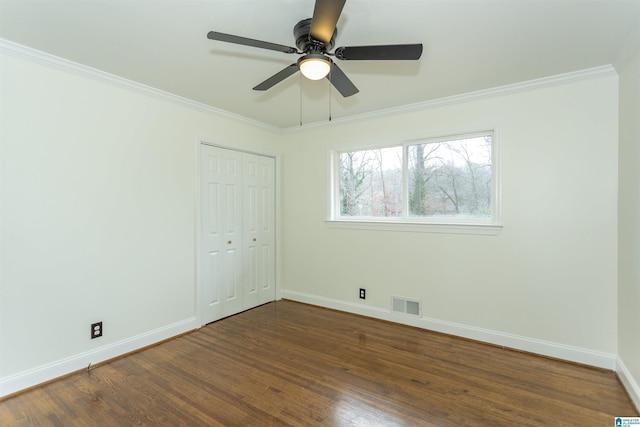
x=448 y=181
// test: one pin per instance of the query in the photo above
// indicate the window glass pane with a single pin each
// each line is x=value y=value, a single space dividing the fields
x=450 y=178
x=371 y=183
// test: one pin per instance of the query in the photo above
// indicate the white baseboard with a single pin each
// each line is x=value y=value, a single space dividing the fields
x=32 y=377
x=41 y=374
x=532 y=345
x=629 y=383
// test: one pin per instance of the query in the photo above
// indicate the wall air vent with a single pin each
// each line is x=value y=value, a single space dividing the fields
x=407 y=306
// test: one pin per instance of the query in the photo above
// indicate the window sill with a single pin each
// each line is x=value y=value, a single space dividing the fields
x=419 y=227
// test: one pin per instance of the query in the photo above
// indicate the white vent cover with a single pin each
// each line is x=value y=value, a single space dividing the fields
x=404 y=305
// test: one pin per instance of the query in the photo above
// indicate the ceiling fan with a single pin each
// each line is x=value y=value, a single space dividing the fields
x=315 y=37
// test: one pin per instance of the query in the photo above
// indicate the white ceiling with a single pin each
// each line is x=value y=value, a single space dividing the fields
x=469 y=45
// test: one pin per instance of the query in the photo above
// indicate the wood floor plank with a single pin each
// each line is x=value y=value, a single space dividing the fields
x=287 y=363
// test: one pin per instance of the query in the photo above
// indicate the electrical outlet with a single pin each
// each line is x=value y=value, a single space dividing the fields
x=363 y=293
x=96 y=330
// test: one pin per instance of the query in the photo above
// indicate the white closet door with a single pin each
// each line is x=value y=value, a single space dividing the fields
x=259 y=229
x=237 y=253
x=221 y=252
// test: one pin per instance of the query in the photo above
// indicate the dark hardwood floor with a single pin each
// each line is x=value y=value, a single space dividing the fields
x=286 y=363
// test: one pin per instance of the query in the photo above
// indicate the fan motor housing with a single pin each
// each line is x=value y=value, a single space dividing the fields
x=305 y=43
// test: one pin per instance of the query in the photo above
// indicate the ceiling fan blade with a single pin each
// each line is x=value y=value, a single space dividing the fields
x=383 y=52
x=277 y=78
x=214 y=35
x=325 y=18
x=341 y=82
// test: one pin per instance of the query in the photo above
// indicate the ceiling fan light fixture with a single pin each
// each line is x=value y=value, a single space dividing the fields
x=315 y=38
x=314 y=66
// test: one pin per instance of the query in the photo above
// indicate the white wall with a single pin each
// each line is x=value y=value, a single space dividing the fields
x=629 y=227
x=97 y=217
x=546 y=283
x=97 y=222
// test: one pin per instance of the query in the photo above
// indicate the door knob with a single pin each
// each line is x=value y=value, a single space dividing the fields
x=229 y=242
x=254 y=239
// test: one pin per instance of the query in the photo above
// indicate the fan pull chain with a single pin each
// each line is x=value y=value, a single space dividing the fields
x=330 y=69
x=300 y=86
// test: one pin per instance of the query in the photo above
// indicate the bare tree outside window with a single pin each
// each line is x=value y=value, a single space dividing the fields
x=371 y=182
x=450 y=178
x=447 y=178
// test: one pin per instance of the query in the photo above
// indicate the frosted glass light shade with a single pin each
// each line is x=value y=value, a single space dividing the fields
x=314 y=67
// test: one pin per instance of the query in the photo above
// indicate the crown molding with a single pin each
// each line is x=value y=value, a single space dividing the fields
x=43 y=58
x=23 y=52
x=555 y=80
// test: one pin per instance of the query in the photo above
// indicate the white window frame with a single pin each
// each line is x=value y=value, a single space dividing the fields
x=482 y=226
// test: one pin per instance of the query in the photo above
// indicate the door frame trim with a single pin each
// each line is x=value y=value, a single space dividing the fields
x=197 y=217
